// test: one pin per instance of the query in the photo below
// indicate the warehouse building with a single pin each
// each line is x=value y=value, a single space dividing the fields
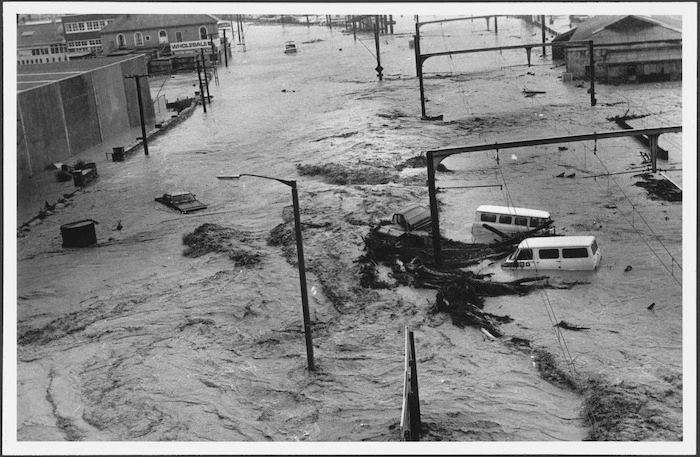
x=65 y=108
x=628 y=49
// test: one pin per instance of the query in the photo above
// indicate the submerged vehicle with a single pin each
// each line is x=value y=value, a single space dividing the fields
x=506 y=221
x=290 y=47
x=182 y=201
x=555 y=253
x=413 y=220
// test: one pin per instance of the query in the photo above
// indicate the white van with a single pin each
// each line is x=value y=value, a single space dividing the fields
x=508 y=220
x=555 y=253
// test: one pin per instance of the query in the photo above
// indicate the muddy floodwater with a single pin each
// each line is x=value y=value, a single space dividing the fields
x=131 y=341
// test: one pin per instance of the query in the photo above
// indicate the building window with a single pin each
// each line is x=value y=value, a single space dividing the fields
x=121 y=41
x=178 y=37
x=203 y=33
x=75 y=27
x=162 y=37
x=93 y=25
x=138 y=39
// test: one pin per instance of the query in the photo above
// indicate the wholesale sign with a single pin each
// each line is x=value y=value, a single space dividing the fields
x=190 y=45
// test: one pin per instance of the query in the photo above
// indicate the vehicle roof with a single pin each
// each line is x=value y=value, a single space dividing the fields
x=413 y=213
x=513 y=211
x=178 y=192
x=557 y=241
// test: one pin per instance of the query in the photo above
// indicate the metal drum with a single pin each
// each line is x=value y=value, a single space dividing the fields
x=79 y=234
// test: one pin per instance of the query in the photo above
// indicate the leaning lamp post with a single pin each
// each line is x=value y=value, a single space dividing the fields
x=300 y=256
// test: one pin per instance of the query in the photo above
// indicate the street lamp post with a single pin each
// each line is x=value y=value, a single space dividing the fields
x=300 y=257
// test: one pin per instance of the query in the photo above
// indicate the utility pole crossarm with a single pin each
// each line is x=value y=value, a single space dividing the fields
x=446 y=152
x=434 y=157
x=502 y=48
x=456 y=19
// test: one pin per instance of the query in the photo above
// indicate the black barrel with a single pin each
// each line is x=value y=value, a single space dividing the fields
x=79 y=234
x=118 y=154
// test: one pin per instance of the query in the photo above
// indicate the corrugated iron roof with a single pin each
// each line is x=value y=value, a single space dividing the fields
x=30 y=76
x=129 y=22
x=588 y=29
x=39 y=34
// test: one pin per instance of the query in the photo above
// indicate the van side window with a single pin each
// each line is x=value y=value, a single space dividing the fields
x=574 y=253
x=521 y=220
x=549 y=253
x=594 y=247
x=505 y=219
x=486 y=217
x=525 y=254
x=535 y=222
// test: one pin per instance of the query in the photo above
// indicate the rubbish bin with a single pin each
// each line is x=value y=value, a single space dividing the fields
x=118 y=154
x=79 y=234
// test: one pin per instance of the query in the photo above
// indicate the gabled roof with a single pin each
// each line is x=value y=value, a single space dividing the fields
x=588 y=29
x=39 y=34
x=135 y=22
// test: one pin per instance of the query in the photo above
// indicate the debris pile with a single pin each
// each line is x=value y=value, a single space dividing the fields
x=460 y=293
x=214 y=238
x=334 y=173
x=659 y=189
x=465 y=307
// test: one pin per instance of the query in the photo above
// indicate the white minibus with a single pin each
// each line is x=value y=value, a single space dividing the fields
x=555 y=253
x=508 y=220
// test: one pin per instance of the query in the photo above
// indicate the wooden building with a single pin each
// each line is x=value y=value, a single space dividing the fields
x=628 y=49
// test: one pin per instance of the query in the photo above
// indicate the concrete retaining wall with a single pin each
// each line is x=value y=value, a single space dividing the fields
x=42 y=137
x=62 y=119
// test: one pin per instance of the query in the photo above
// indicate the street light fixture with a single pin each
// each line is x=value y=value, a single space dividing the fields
x=300 y=256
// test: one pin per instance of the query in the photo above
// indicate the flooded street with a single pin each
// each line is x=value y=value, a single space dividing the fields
x=130 y=340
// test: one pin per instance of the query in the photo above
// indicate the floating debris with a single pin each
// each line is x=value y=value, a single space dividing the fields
x=214 y=238
x=566 y=325
x=334 y=173
x=659 y=189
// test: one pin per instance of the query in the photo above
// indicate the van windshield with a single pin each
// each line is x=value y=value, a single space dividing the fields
x=524 y=254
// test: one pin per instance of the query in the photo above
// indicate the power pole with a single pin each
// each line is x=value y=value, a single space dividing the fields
x=241 y=36
x=206 y=77
x=376 y=42
x=143 y=122
x=201 y=89
x=592 y=65
x=225 y=50
x=544 y=49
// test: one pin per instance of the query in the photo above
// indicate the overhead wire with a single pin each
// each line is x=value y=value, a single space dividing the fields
x=549 y=308
x=623 y=193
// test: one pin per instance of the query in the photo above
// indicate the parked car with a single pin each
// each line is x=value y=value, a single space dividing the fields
x=182 y=201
